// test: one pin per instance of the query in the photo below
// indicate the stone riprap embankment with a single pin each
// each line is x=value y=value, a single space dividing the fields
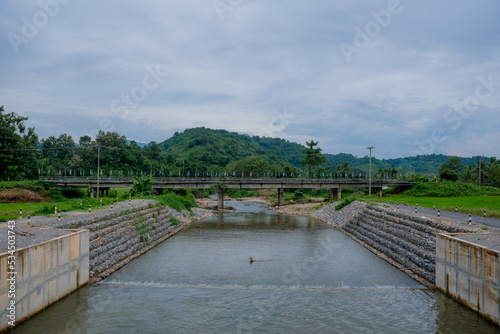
x=120 y=236
x=405 y=240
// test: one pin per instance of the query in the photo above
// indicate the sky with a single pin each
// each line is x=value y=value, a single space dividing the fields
x=408 y=77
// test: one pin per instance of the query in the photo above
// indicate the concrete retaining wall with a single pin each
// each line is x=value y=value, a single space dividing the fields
x=470 y=274
x=45 y=273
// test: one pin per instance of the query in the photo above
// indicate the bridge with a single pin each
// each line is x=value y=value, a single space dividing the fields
x=102 y=185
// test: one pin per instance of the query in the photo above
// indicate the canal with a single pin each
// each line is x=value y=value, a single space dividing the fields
x=317 y=280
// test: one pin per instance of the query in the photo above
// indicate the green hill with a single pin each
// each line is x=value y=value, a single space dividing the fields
x=204 y=148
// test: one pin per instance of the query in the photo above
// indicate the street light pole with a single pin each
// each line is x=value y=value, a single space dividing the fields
x=98 y=166
x=370 y=175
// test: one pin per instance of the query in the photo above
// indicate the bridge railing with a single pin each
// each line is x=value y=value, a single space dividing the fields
x=226 y=179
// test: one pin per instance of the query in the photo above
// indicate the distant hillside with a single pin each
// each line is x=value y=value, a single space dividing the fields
x=206 y=148
x=211 y=148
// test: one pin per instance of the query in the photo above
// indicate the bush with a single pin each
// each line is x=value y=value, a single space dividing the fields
x=203 y=193
x=175 y=221
x=449 y=189
x=177 y=202
x=46 y=209
x=239 y=193
x=345 y=202
x=71 y=192
x=448 y=175
x=143 y=185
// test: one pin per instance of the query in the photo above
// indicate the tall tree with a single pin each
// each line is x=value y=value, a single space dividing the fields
x=313 y=156
x=344 y=168
x=17 y=147
x=454 y=164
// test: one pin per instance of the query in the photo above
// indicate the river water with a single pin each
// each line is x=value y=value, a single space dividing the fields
x=201 y=281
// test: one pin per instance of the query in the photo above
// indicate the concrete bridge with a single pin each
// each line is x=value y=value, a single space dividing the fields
x=335 y=185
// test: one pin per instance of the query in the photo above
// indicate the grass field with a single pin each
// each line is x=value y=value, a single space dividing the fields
x=10 y=211
x=467 y=204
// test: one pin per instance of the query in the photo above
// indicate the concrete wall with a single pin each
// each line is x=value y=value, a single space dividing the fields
x=45 y=273
x=469 y=273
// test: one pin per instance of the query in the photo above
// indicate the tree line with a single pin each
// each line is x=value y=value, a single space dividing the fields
x=197 y=152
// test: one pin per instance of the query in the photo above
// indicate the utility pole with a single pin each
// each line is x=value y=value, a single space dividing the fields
x=42 y=165
x=480 y=158
x=370 y=173
x=98 y=166
x=479 y=172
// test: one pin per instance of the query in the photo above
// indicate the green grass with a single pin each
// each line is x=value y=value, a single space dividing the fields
x=240 y=193
x=466 y=204
x=10 y=211
x=345 y=202
x=450 y=189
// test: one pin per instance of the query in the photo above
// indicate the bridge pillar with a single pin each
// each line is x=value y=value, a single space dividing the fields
x=91 y=192
x=335 y=193
x=281 y=192
x=220 y=198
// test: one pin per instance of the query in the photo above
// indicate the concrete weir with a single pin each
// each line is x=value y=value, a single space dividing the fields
x=469 y=273
x=44 y=273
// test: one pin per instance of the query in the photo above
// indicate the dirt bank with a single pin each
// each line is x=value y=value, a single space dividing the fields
x=290 y=207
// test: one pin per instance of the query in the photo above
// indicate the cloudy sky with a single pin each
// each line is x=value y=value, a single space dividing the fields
x=408 y=77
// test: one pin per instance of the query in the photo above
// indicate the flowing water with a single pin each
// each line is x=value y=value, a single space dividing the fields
x=201 y=281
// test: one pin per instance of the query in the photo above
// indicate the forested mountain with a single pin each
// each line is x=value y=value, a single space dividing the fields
x=220 y=147
x=217 y=148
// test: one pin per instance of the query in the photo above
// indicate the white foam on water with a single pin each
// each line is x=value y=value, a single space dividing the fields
x=258 y=287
